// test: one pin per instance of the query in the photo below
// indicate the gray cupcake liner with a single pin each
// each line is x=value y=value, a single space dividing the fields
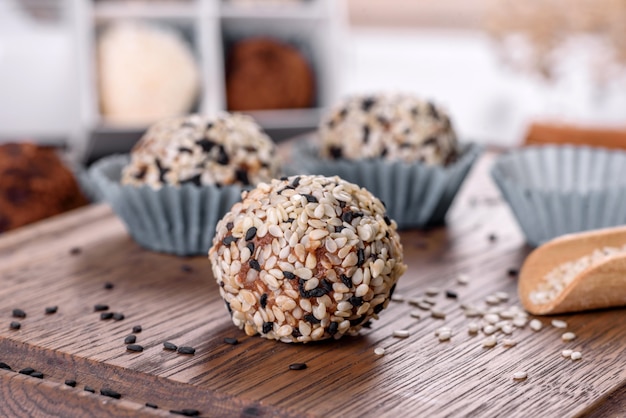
x=555 y=190
x=176 y=220
x=416 y=195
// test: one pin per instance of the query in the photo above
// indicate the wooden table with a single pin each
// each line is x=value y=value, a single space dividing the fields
x=66 y=261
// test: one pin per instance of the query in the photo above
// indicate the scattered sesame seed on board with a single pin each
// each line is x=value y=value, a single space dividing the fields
x=106 y=315
x=489 y=329
x=568 y=336
x=70 y=383
x=521 y=375
x=75 y=251
x=90 y=389
x=472 y=328
x=567 y=353
x=492 y=300
x=4 y=366
x=379 y=351
x=492 y=318
x=152 y=405
x=187 y=412
x=397 y=297
x=490 y=341
x=135 y=348
x=556 y=323
x=462 y=279
x=297 y=366
x=231 y=341
x=415 y=314
x=438 y=314
x=169 y=346
x=536 y=325
x=18 y=313
x=100 y=307
x=51 y=310
x=130 y=339
x=445 y=336
x=432 y=291
x=576 y=355
x=137 y=329
x=110 y=393
x=109 y=286
x=507 y=342
x=14 y=325
x=451 y=294
x=502 y=296
x=401 y=333
x=27 y=371
x=36 y=374
x=118 y=316
x=186 y=350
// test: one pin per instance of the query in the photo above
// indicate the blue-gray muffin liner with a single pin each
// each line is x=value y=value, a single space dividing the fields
x=176 y=220
x=416 y=195
x=555 y=190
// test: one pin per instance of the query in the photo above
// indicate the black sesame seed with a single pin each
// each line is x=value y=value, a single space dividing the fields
x=186 y=350
x=229 y=240
x=332 y=328
x=183 y=150
x=263 y=300
x=289 y=275
x=15 y=325
x=356 y=321
x=137 y=329
x=387 y=220
x=186 y=412
x=451 y=294
x=222 y=158
x=230 y=310
x=18 y=313
x=339 y=228
x=130 y=339
x=346 y=280
x=267 y=327
x=162 y=170
x=513 y=272
x=356 y=300
x=250 y=233
x=169 y=346
x=75 y=251
x=230 y=226
x=296 y=181
x=366 y=134
x=27 y=371
x=186 y=268
x=4 y=366
x=100 y=308
x=242 y=176
x=152 y=405
x=109 y=285
x=90 y=389
x=378 y=308
x=433 y=110
x=231 y=341
x=384 y=152
x=336 y=152
x=38 y=375
x=250 y=246
x=311 y=319
x=492 y=237
x=290 y=220
x=296 y=333
x=106 y=315
x=51 y=310
x=118 y=316
x=205 y=144
x=347 y=217
x=254 y=264
x=367 y=324
x=297 y=366
x=71 y=383
x=310 y=198
x=110 y=393
x=367 y=103
x=134 y=348
x=360 y=257
x=195 y=180
x=284 y=178
x=318 y=292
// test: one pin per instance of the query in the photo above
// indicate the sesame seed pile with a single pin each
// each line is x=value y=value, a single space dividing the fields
x=393 y=127
x=557 y=279
x=222 y=150
x=306 y=258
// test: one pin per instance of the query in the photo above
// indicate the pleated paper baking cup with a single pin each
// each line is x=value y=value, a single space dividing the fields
x=556 y=190
x=416 y=195
x=176 y=220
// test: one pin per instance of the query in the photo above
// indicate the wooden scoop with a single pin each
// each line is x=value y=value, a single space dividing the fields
x=601 y=285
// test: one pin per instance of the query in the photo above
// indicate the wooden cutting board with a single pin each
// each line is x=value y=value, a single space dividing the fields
x=66 y=262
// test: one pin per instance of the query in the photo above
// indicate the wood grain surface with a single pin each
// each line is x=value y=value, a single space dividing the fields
x=66 y=262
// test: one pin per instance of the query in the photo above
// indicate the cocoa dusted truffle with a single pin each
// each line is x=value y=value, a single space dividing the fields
x=222 y=150
x=397 y=127
x=34 y=185
x=306 y=258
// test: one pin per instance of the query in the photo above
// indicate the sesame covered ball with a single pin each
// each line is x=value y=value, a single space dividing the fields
x=393 y=127
x=306 y=258
x=222 y=150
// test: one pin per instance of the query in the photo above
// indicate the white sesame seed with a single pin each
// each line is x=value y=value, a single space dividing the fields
x=568 y=336
x=519 y=322
x=471 y=313
x=576 y=355
x=397 y=297
x=415 y=314
x=492 y=318
x=502 y=296
x=567 y=353
x=536 y=325
x=472 y=328
x=401 y=333
x=489 y=329
x=462 y=279
x=507 y=315
x=432 y=291
x=492 y=300
x=490 y=342
x=438 y=314
x=507 y=342
x=520 y=375
x=445 y=335
x=379 y=351
x=556 y=323
x=442 y=329
x=507 y=329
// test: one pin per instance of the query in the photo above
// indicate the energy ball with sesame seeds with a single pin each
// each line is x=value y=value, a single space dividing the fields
x=396 y=127
x=199 y=150
x=306 y=258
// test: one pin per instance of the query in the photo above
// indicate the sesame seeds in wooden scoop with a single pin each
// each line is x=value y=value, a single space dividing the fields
x=576 y=272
